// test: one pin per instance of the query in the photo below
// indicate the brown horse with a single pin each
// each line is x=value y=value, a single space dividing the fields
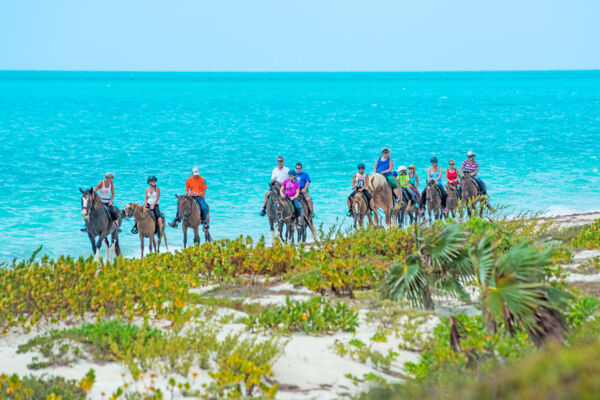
x=190 y=217
x=360 y=209
x=452 y=201
x=147 y=226
x=470 y=195
x=434 y=200
x=383 y=197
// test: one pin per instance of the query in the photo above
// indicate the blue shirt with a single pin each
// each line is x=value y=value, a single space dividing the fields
x=383 y=165
x=303 y=178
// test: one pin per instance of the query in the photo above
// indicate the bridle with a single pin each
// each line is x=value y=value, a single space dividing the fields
x=87 y=201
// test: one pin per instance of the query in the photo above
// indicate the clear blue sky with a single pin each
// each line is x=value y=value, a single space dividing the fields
x=301 y=35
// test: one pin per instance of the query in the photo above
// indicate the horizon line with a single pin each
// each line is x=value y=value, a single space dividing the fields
x=300 y=71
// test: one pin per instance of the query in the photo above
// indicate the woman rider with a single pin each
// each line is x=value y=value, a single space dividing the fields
x=472 y=167
x=360 y=183
x=403 y=180
x=106 y=191
x=151 y=199
x=413 y=180
x=384 y=166
x=434 y=173
x=452 y=176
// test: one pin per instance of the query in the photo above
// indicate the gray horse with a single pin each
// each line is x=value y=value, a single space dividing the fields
x=191 y=217
x=99 y=224
x=405 y=207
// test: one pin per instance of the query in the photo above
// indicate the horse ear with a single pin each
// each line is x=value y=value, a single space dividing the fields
x=81 y=190
x=176 y=195
x=91 y=189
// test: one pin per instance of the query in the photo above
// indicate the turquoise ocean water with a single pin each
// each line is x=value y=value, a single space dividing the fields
x=536 y=135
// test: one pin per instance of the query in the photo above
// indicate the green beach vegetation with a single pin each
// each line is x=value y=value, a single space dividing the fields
x=509 y=269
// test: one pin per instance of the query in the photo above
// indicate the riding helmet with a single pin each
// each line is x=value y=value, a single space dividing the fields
x=433 y=160
x=361 y=165
x=292 y=172
x=151 y=178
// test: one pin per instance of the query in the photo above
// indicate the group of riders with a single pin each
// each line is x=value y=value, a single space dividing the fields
x=407 y=180
x=294 y=184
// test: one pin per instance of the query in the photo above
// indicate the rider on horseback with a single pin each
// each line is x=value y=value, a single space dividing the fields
x=384 y=166
x=472 y=168
x=106 y=191
x=151 y=199
x=195 y=187
x=413 y=181
x=304 y=181
x=290 y=189
x=360 y=183
x=434 y=173
x=279 y=175
x=404 y=181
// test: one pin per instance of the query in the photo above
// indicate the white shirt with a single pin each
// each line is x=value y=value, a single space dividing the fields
x=280 y=175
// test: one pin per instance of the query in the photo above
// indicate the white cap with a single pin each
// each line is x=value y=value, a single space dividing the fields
x=401 y=168
x=109 y=175
x=195 y=171
x=470 y=153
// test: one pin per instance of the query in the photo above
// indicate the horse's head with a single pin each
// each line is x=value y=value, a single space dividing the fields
x=88 y=198
x=467 y=186
x=129 y=210
x=430 y=189
x=184 y=205
x=357 y=203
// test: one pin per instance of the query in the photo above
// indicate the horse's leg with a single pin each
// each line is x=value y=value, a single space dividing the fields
x=184 y=229
x=196 y=236
x=141 y=244
x=93 y=243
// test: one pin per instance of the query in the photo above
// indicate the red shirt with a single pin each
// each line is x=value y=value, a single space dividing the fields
x=452 y=176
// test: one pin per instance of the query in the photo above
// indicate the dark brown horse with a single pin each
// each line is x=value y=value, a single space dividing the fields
x=434 y=200
x=99 y=224
x=405 y=207
x=471 y=198
x=307 y=222
x=452 y=201
x=192 y=218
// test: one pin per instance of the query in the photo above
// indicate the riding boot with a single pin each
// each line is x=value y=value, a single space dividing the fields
x=263 y=212
x=173 y=224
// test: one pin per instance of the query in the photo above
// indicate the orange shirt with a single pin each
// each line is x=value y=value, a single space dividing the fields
x=195 y=184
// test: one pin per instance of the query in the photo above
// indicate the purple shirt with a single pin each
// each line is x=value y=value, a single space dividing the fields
x=470 y=168
x=290 y=187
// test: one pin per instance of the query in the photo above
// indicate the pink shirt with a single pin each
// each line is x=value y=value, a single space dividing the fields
x=290 y=187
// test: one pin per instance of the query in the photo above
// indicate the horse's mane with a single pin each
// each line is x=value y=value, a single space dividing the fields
x=96 y=201
x=377 y=181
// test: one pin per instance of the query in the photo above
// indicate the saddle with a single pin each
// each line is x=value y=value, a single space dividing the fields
x=156 y=227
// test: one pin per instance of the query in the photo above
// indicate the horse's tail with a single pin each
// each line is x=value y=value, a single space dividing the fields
x=164 y=235
x=117 y=247
x=376 y=181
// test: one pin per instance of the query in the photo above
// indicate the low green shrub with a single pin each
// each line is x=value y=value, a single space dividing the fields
x=588 y=237
x=359 y=351
x=316 y=315
x=50 y=388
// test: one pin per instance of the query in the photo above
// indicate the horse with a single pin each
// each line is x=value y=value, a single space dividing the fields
x=452 y=201
x=405 y=206
x=383 y=197
x=279 y=214
x=470 y=194
x=434 y=200
x=308 y=222
x=99 y=224
x=191 y=217
x=147 y=226
x=360 y=209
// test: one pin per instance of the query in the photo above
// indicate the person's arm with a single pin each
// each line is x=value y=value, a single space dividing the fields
x=461 y=172
x=391 y=167
x=157 y=195
x=366 y=183
x=281 y=192
x=428 y=174
x=146 y=197
x=439 y=175
x=375 y=168
x=306 y=186
x=353 y=182
x=273 y=176
x=476 y=169
x=112 y=192
x=97 y=187
x=203 y=191
x=417 y=179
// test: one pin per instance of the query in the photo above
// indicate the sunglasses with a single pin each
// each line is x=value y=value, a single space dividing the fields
x=451 y=163
x=279 y=160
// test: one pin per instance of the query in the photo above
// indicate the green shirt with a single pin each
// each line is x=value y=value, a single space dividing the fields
x=403 y=180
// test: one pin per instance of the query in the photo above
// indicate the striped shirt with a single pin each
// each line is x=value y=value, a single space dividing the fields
x=470 y=168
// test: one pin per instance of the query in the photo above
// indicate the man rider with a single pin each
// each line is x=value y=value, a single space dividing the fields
x=279 y=174
x=304 y=181
x=195 y=186
x=472 y=167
